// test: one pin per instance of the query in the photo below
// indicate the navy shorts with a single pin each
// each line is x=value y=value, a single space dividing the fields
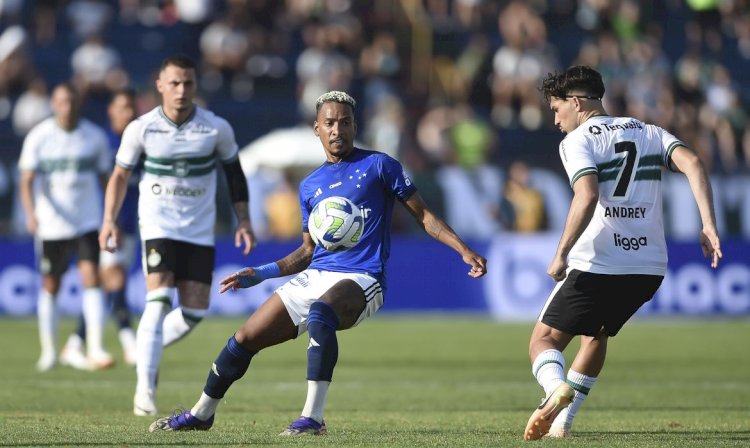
x=585 y=303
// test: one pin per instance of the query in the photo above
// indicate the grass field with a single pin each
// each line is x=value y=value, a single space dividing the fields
x=400 y=382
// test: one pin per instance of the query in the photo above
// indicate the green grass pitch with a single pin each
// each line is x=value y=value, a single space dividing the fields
x=401 y=381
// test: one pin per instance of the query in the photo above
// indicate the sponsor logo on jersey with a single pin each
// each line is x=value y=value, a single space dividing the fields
x=154 y=258
x=596 y=130
x=158 y=189
x=156 y=131
x=365 y=212
x=630 y=243
x=625 y=212
x=318 y=192
x=337 y=184
x=632 y=124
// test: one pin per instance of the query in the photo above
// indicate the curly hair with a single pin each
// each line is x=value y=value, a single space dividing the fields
x=581 y=79
x=336 y=97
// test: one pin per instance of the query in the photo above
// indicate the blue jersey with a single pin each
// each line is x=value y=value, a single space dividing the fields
x=128 y=218
x=371 y=180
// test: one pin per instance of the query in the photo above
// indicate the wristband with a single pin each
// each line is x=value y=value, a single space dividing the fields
x=262 y=272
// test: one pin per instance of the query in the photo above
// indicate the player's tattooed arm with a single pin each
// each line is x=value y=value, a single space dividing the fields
x=300 y=259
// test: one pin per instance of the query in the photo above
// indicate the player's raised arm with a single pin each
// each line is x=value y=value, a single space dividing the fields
x=438 y=229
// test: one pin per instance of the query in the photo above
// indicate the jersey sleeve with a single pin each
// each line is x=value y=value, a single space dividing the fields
x=131 y=146
x=577 y=160
x=669 y=143
x=29 y=158
x=226 y=146
x=395 y=179
x=304 y=205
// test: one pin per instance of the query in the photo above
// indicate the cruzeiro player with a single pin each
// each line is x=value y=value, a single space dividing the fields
x=176 y=213
x=332 y=290
x=612 y=255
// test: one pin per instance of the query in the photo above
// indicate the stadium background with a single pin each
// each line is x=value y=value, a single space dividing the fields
x=447 y=87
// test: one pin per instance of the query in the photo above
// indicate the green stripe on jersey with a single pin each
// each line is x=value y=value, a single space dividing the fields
x=652 y=160
x=670 y=150
x=648 y=174
x=180 y=167
x=57 y=165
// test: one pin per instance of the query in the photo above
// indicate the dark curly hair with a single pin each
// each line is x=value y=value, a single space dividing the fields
x=581 y=79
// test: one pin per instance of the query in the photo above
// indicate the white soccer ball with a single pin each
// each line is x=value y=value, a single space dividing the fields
x=335 y=224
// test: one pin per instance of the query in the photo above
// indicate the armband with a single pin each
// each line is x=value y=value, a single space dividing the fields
x=263 y=272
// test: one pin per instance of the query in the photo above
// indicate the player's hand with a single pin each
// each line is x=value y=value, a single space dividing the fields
x=245 y=235
x=31 y=224
x=109 y=236
x=244 y=278
x=558 y=268
x=711 y=246
x=477 y=262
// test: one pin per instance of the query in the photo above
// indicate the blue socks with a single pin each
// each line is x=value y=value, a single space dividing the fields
x=323 y=351
x=230 y=366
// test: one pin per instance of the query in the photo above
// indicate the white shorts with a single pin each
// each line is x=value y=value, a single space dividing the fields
x=299 y=293
x=123 y=256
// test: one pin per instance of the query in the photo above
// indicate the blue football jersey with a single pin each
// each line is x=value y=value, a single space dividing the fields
x=371 y=180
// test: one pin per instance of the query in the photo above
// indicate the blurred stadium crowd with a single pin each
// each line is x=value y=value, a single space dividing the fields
x=449 y=87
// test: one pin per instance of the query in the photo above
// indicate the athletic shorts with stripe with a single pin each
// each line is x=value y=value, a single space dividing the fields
x=585 y=303
x=299 y=293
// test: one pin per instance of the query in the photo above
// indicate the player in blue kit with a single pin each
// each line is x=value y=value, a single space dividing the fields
x=332 y=290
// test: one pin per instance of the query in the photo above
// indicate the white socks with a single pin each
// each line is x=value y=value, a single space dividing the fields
x=179 y=322
x=149 y=338
x=549 y=370
x=581 y=384
x=316 y=400
x=95 y=314
x=205 y=407
x=46 y=307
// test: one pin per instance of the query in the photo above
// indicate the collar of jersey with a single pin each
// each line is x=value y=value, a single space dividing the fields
x=187 y=120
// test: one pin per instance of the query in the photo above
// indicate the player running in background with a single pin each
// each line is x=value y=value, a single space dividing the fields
x=114 y=266
x=333 y=290
x=176 y=211
x=612 y=255
x=63 y=164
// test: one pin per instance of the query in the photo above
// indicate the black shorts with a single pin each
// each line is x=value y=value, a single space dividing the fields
x=185 y=260
x=56 y=254
x=585 y=303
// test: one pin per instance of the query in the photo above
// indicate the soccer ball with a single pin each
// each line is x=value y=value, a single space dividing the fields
x=335 y=224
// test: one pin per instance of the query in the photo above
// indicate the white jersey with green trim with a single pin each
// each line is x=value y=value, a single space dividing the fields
x=626 y=233
x=178 y=187
x=67 y=166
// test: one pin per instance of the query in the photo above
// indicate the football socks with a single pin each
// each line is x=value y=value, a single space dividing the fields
x=179 y=322
x=549 y=370
x=230 y=365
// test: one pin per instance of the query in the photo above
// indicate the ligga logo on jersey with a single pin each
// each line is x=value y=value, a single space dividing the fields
x=630 y=243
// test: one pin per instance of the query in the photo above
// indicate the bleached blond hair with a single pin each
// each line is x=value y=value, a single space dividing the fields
x=335 y=96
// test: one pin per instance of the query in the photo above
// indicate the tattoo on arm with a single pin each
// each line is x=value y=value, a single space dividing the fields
x=296 y=261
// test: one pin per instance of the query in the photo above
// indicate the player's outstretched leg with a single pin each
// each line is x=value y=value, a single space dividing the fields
x=322 y=355
x=230 y=366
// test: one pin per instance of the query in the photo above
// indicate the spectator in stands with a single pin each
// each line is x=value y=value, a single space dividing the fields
x=526 y=201
x=31 y=107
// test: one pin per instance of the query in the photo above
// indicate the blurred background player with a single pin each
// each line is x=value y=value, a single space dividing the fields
x=176 y=212
x=63 y=163
x=334 y=290
x=612 y=256
x=114 y=266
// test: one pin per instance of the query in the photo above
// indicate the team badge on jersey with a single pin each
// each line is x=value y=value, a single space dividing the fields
x=45 y=265
x=154 y=258
x=181 y=168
